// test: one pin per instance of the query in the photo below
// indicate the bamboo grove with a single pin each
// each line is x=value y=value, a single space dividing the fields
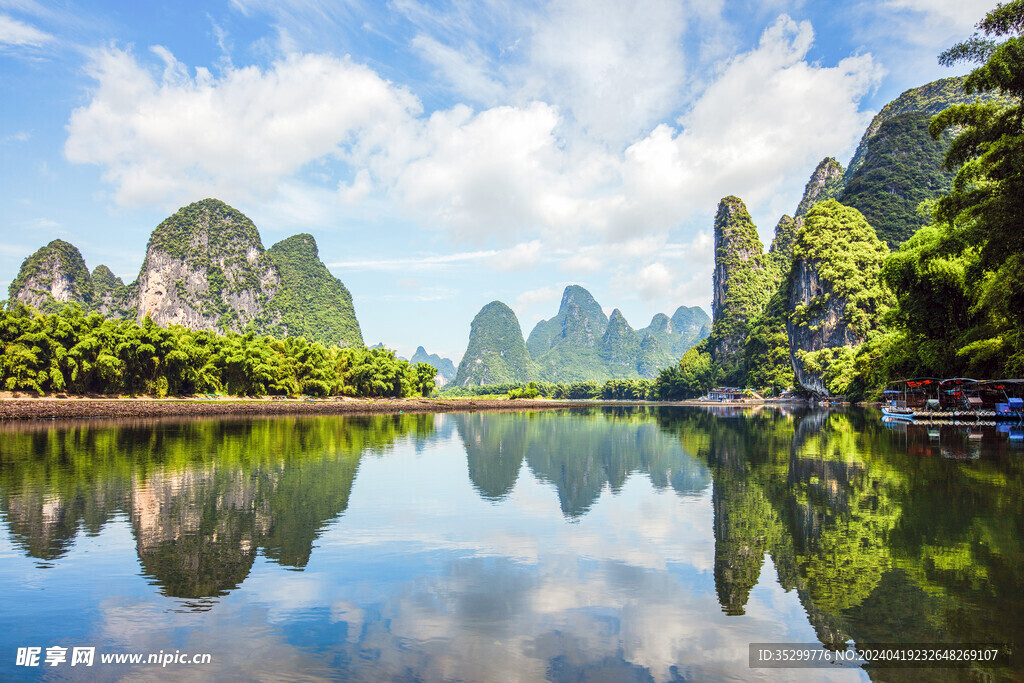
x=71 y=352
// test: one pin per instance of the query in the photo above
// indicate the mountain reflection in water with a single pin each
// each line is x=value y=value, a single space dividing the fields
x=872 y=532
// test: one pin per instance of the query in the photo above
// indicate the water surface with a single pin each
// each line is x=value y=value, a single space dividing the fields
x=591 y=544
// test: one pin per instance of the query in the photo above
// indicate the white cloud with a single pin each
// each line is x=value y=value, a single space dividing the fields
x=20 y=34
x=769 y=115
x=535 y=297
x=615 y=67
x=959 y=15
x=533 y=176
x=417 y=263
x=495 y=173
x=20 y=136
x=520 y=257
x=174 y=138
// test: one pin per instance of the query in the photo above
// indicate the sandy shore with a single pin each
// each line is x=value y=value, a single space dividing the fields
x=62 y=408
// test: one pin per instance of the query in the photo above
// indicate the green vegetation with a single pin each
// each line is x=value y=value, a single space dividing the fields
x=203 y=228
x=927 y=99
x=311 y=302
x=496 y=353
x=902 y=169
x=960 y=281
x=56 y=268
x=580 y=323
x=686 y=327
x=69 y=351
x=836 y=295
x=581 y=343
x=693 y=376
x=742 y=285
x=826 y=183
x=769 y=368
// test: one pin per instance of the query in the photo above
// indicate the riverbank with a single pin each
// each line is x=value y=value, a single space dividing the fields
x=87 y=407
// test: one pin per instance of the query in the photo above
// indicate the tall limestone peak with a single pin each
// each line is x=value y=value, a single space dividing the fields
x=111 y=294
x=781 y=251
x=835 y=298
x=898 y=165
x=206 y=268
x=689 y=322
x=310 y=302
x=619 y=346
x=928 y=99
x=741 y=282
x=580 y=322
x=496 y=353
x=825 y=183
x=677 y=334
x=660 y=324
x=55 y=275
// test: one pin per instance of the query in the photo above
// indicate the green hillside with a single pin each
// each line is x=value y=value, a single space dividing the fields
x=496 y=353
x=311 y=302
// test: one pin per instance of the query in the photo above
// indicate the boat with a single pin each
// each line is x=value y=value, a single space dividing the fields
x=897 y=412
x=958 y=399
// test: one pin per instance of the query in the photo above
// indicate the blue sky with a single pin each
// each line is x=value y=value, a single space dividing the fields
x=446 y=154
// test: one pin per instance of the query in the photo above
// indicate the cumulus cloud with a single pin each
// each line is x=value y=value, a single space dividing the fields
x=535 y=176
x=488 y=174
x=173 y=137
x=615 y=67
x=769 y=114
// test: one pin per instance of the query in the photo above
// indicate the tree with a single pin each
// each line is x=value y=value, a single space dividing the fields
x=986 y=205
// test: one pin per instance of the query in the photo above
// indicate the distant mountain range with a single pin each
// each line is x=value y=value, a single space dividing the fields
x=580 y=343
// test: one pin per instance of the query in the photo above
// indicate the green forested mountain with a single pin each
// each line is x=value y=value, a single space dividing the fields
x=901 y=169
x=742 y=284
x=835 y=297
x=205 y=269
x=826 y=183
x=580 y=322
x=111 y=294
x=311 y=302
x=445 y=367
x=581 y=343
x=496 y=353
x=56 y=274
x=686 y=327
x=898 y=164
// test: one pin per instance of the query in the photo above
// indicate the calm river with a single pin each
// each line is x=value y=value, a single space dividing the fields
x=592 y=544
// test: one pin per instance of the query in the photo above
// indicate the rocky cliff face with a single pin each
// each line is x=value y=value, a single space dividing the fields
x=741 y=281
x=55 y=275
x=835 y=299
x=825 y=183
x=496 y=353
x=206 y=269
